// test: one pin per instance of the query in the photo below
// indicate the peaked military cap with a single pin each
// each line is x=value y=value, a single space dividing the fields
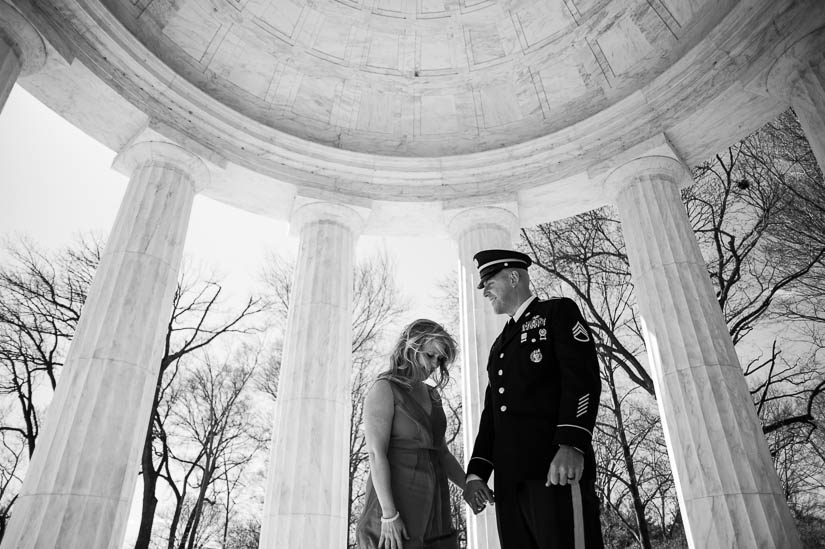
x=489 y=262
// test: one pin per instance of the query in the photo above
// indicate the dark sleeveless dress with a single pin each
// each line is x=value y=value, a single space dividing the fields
x=419 y=482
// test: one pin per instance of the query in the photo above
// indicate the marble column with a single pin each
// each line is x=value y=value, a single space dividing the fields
x=478 y=229
x=22 y=50
x=307 y=491
x=79 y=485
x=728 y=490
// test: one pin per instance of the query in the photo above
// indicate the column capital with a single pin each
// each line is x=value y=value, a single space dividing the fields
x=783 y=78
x=23 y=38
x=158 y=152
x=470 y=218
x=305 y=213
x=643 y=167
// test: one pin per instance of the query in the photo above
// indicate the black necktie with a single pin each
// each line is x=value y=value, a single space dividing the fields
x=511 y=324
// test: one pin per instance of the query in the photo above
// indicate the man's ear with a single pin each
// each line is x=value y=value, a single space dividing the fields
x=514 y=277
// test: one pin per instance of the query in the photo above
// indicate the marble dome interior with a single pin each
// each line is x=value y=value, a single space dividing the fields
x=454 y=102
x=418 y=77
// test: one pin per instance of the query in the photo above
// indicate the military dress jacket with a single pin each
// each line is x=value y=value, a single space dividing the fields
x=543 y=392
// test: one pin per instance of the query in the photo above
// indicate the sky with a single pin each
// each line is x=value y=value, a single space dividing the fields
x=56 y=183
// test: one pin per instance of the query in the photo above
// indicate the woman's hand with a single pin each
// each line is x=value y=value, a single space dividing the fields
x=393 y=533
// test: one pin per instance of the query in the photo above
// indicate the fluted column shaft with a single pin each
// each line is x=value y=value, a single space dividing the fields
x=474 y=230
x=22 y=50
x=79 y=484
x=307 y=492
x=808 y=101
x=728 y=490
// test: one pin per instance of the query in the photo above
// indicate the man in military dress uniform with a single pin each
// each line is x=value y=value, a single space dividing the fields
x=539 y=412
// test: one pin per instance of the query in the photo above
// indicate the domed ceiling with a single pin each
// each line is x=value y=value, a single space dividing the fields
x=419 y=77
x=444 y=103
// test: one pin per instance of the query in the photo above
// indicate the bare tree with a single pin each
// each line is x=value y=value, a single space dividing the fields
x=362 y=375
x=277 y=276
x=41 y=295
x=618 y=433
x=451 y=401
x=10 y=459
x=243 y=535
x=212 y=440
x=197 y=322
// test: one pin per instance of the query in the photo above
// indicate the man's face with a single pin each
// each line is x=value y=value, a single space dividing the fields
x=500 y=291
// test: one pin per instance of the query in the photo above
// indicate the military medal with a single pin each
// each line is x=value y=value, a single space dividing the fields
x=523 y=337
x=543 y=334
x=535 y=356
x=533 y=323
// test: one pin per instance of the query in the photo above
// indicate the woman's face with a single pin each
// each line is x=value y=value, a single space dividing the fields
x=431 y=356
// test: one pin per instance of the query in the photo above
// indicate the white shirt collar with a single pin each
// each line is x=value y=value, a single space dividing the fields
x=522 y=307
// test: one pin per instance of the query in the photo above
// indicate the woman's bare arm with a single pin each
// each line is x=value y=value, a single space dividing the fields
x=455 y=472
x=378 y=414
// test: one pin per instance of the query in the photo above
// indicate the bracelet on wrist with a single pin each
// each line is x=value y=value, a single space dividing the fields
x=392 y=518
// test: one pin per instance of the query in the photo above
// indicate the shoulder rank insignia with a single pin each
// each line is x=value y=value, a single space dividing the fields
x=535 y=356
x=580 y=333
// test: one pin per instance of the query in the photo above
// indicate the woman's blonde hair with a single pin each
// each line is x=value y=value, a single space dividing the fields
x=405 y=367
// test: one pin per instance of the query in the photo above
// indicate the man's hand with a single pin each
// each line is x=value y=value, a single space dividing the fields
x=477 y=494
x=566 y=468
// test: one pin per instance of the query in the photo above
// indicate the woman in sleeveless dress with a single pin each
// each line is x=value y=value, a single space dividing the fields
x=407 y=503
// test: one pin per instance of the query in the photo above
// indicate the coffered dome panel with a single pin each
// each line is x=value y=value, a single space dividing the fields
x=418 y=77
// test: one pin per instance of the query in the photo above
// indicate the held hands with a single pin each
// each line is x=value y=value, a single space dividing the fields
x=393 y=532
x=477 y=495
x=566 y=468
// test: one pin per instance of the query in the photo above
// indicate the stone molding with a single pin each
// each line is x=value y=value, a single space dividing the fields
x=784 y=76
x=23 y=38
x=625 y=175
x=472 y=218
x=160 y=153
x=318 y=211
